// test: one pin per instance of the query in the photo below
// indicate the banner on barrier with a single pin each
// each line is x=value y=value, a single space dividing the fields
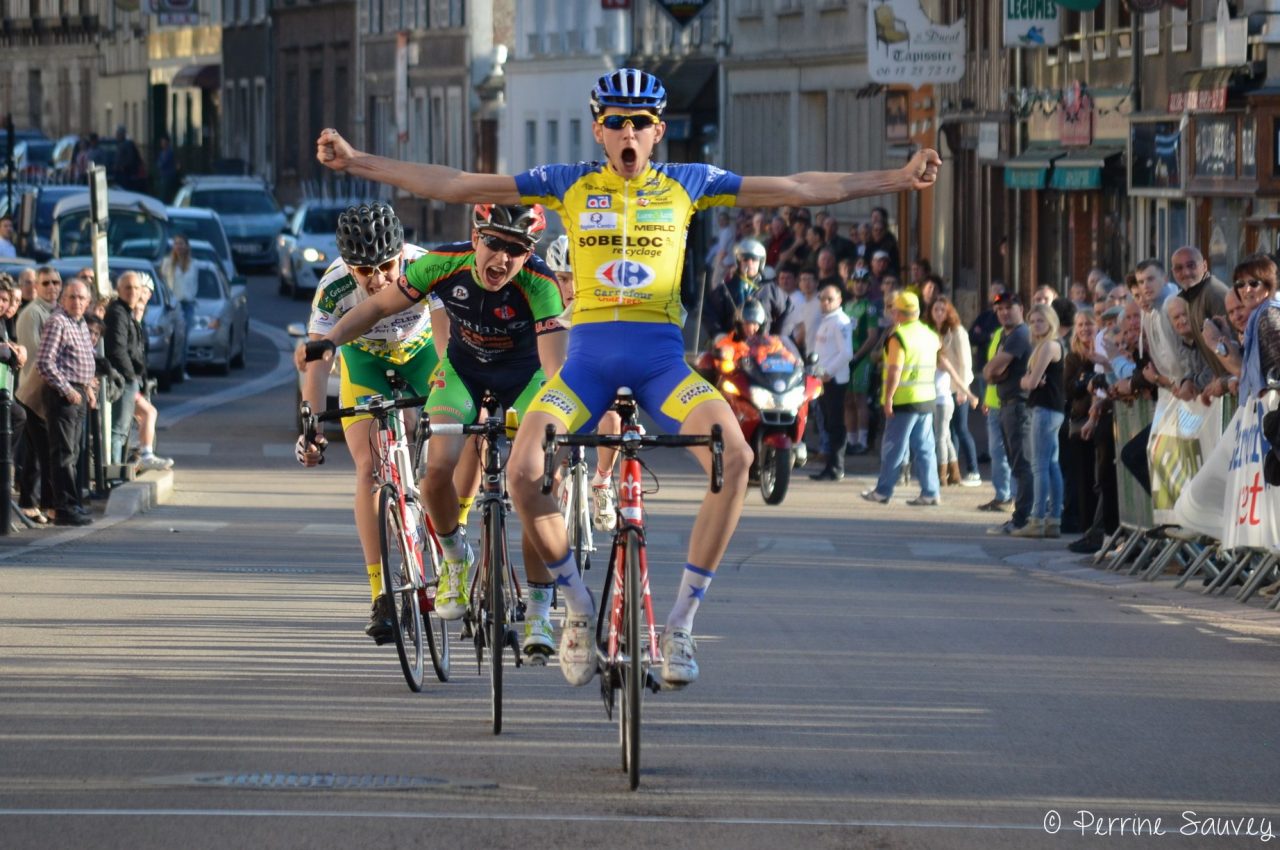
x=1183 y=434
x=1252 y=518
x=1130 y=417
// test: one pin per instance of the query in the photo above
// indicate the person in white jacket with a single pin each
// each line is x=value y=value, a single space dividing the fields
x=833 y=345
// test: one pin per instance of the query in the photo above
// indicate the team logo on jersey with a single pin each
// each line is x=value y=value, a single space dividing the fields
x=599 y=202
x=597 y=221
x=625 y=274
x=655 y=216
x=505 y=313
x=642 y=201
x=460 y=292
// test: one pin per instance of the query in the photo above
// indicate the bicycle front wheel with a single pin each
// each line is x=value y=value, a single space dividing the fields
x=581 y=523
x=633 y=663
x=495 y=604
x=397 y=582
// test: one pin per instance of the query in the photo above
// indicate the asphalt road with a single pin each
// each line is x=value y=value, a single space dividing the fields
x=880 y=677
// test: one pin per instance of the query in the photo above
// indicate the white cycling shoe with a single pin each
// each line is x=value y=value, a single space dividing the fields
x=604 y=508
x=678 y=667
x=578 y=649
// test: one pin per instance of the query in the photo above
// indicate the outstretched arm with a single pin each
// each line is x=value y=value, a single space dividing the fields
x=422 y=179
x=819 y=188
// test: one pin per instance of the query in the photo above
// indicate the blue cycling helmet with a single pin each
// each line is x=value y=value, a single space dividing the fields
x=628 y=87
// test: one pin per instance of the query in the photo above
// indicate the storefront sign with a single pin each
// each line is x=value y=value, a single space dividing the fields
x=1155 y=157
x=1031 y=23
x=1199 y=100
x=1216 y=147
x=1075 y=179
x=1025 y=178
x=911 y=49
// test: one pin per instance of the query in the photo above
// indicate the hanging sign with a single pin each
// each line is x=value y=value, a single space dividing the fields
x=906 y=47
x=683 y=11
x=1031 y=23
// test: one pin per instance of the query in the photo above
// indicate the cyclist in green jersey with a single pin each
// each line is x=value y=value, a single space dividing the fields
x=627 y=219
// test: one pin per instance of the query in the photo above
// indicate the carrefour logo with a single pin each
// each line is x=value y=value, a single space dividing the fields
x=598 y=202
x=625 y=274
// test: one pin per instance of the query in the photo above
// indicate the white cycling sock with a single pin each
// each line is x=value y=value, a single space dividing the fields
x=693 y=587
x=454 y=543
x=538 y=601
x=577 y=598
x=862 y=436
x=599 y=480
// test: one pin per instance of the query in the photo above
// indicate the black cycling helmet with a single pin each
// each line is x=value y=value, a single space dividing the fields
x=753 y=311
x=369 y=235
x=523 y=223
x=628 y=88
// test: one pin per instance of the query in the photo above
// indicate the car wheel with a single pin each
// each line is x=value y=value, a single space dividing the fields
x=237 y=362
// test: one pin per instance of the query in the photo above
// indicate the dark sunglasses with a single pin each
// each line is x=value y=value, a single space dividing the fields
x=51 y=282
x=497 y=243
x=1251 y=282
x=638 y=120
x=385 y=268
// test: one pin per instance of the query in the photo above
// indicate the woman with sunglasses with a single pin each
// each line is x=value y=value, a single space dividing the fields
x=371 y=252
x=627 y=219
x=1254 y=282
x=503 y=305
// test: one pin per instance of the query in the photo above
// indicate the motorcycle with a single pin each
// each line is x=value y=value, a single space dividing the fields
x=769 y=389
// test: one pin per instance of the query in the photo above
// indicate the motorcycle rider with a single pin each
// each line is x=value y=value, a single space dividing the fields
x=747 y=280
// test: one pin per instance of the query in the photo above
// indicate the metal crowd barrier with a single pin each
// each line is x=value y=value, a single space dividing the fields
x=1140 y=548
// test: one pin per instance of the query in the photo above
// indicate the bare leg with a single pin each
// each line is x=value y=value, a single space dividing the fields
x=144 y=413
x=366 y=499
x=718 y=516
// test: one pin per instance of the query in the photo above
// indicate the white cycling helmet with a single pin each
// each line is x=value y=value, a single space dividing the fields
x=558 y=255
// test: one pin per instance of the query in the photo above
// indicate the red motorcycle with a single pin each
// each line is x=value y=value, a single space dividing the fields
x=769 y=389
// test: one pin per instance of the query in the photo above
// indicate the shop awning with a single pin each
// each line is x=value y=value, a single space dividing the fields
x=1081 y=169
x=198 y=76
x=1030 y=169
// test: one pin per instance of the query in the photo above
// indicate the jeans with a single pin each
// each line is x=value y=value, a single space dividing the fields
x=1000 y=473
x=943 y=409
x=1015 y=423
x=964 y=440
x=903 y=432
x=122 y=420
x=1046 y=474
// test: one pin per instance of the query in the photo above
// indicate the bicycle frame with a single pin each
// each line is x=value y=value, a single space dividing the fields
x=631 y=511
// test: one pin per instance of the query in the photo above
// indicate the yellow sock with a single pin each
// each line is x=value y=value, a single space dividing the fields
x=464 y=509
x=375 y=579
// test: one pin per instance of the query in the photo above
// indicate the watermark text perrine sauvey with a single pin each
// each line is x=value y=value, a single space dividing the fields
x=1188 y=823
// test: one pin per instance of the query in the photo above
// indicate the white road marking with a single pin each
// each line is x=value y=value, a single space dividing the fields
x=277 y=449
x=178 y=525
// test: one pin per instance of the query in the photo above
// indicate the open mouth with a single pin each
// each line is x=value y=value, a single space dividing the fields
x=629 y=157
x=494 y=276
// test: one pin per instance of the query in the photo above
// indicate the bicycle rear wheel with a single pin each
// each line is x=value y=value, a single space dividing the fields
x=436 y=629
x=633 y=664
x=495 y=604
x=397 y=583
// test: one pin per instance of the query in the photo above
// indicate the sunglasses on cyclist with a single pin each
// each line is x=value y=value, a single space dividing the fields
x=1250 y=282
x=385 y=268
x=514 y=250
x=638 y=120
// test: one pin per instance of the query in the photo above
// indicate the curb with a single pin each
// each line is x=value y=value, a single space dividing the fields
x=140 y=495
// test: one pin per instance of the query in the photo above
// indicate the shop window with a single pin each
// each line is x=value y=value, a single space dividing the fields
x=1072 y=48
x=1151 y=33
x=1124 y=30
x=1179 y=30
x=1098 y=26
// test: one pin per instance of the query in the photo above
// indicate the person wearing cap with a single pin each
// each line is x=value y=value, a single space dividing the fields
x=912 y=355
x=1005 y=370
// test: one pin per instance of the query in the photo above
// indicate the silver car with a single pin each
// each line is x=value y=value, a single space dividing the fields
x=308 y=246
x=166 y=330
x=220 y=333
x=198 y=223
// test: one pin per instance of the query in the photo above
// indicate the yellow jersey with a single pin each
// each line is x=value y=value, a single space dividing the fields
x=627 y=237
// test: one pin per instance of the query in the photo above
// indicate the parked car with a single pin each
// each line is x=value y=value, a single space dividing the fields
x=309 y=246
x=298 y=330
x=203 y=224
x=64 y=153
x=13 y=266
x=138 y=226
x=220 y=332
x=250 y=215
x=47 y=198
x=166 y=330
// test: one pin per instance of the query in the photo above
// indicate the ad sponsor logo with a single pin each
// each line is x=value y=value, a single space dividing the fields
x=560 y=401
x=655 y=216
x=460 y=293
x=504 y=312
x=625 y=274
x=597 y=221
x=599 y=202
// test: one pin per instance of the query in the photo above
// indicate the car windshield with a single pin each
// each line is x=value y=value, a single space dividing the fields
x=207 y=286
x=206 y=229
x=129 y=234
x=235 y=201
x=321 y=220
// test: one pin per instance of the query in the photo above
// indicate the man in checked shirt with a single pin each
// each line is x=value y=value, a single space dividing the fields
x=65 y=362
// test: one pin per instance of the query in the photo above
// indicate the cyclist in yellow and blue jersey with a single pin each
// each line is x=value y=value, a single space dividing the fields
x=627 y=220
x=372 y=253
